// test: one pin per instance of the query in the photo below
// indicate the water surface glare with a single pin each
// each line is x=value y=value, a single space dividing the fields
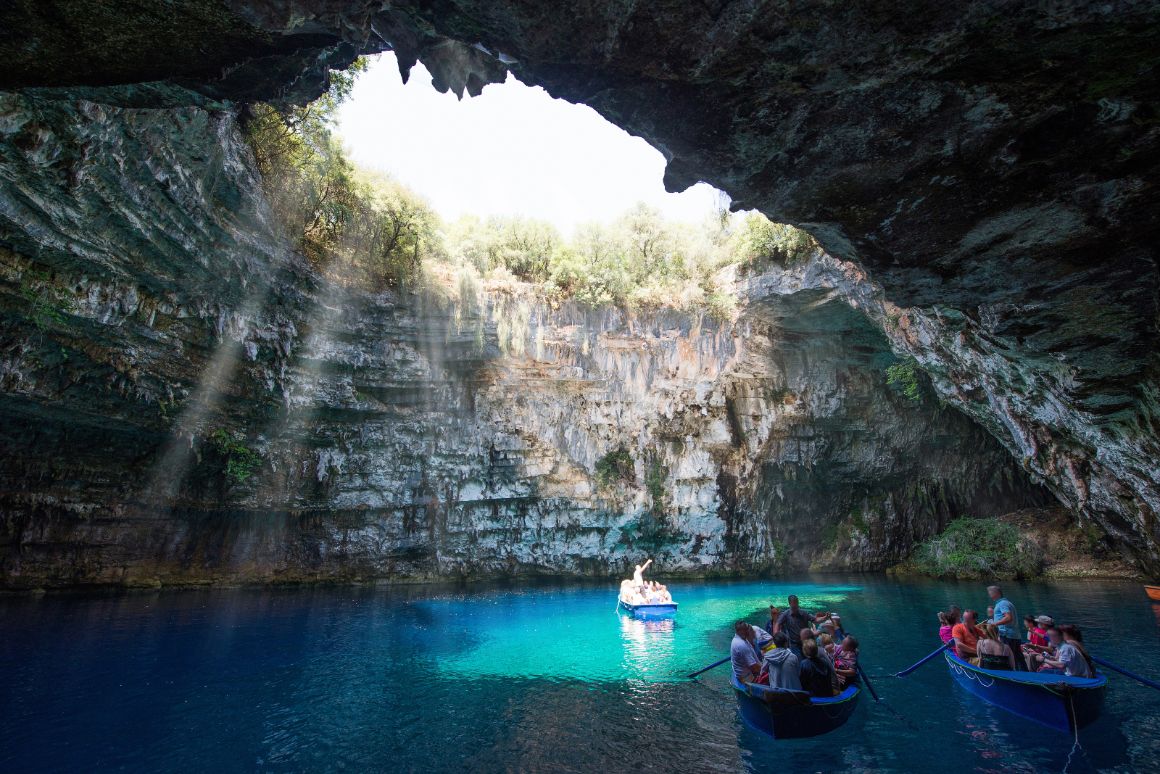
x=522 y=679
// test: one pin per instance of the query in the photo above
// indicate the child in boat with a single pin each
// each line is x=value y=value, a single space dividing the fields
x=846 y=661
x=826 y=644
x=944 y=628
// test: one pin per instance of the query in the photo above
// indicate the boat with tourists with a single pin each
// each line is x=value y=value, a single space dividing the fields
x=645 y=599
x=1057 y=701
x=788 y=714
x=649 y=610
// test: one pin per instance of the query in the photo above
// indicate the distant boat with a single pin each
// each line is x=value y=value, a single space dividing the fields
x=650 y=611
x=1153 y=593
x=785 y=714
x=1056 y=701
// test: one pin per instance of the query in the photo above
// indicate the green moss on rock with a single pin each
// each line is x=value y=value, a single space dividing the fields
x=976 y=549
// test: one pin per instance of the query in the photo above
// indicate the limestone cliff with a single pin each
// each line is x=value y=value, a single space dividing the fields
x=149 y=305
x=981 y=176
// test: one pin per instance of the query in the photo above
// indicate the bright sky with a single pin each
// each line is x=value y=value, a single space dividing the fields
x=512 y=150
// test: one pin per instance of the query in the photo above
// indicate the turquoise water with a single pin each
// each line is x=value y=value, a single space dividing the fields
x=545 y=678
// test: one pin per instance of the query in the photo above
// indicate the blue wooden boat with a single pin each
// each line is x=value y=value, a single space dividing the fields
x=1056 y=701
x=650 y=611
x=785 y=714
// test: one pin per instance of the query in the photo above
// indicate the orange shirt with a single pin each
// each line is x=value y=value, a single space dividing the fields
x=965 y=635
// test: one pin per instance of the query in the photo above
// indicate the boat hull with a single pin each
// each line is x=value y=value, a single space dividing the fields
x=1055 y=701
x=650 y=611
x=1153 y=593
x=792 y=714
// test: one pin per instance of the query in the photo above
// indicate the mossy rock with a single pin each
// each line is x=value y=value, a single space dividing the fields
x=973 y=549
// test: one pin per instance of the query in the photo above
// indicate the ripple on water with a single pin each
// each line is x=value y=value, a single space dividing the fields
x=549 y=679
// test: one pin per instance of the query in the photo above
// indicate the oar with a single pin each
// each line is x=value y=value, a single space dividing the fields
x=869 y=684
x=711 y=666
x=923 y=660
x=878 y=700
x=1126 y=673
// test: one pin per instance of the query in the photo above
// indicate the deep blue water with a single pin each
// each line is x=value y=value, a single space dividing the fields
x=517 y=679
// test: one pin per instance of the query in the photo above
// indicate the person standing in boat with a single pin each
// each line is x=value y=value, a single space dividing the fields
x=791 y=621
x=744 y=654
x=638 y=575
x=1007 y=621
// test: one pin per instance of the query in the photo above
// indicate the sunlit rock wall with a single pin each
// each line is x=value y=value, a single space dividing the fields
x=147 y=302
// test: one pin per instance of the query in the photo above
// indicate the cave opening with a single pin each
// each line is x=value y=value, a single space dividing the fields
x=445 y=371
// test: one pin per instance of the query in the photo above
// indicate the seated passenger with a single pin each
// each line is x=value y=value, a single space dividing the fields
x=743 y=653
x=771 y=624
x=993 y=652
x=826 y=644
x=783 y=664
x=846 y=662
x=1049 y=653
x=944 y=627
x=1030 y=627
x=1037 y=637
x=966 y=634
x=816 y=674
x=761 y=638
x=839 y=633
x=1071 y=658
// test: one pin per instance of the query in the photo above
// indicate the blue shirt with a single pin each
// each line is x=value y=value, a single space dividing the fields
x=1011 y=630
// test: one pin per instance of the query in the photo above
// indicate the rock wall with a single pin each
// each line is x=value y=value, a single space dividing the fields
x=147 y=302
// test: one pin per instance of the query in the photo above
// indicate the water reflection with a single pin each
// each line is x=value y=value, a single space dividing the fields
x=648 y=644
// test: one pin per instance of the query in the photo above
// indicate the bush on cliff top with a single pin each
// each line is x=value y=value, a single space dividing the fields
x=977 y=549
x=374 y=231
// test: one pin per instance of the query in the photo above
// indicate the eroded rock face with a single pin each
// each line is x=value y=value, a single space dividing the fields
x=415 y=436
x=986 y=172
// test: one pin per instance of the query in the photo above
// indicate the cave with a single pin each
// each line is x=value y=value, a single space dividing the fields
x=412 y=482
x=990 y=223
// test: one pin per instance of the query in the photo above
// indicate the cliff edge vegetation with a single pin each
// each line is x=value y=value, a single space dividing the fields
x=369 y=230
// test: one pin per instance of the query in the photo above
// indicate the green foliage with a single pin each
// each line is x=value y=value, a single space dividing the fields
x=978 y=549
x=383 y=231
x=903 y=377
x=760 y=240
x=47 y=305
x=615 y=466
x=379 y=233
x=239 y=461
x=655 y=477
x=639 y=260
